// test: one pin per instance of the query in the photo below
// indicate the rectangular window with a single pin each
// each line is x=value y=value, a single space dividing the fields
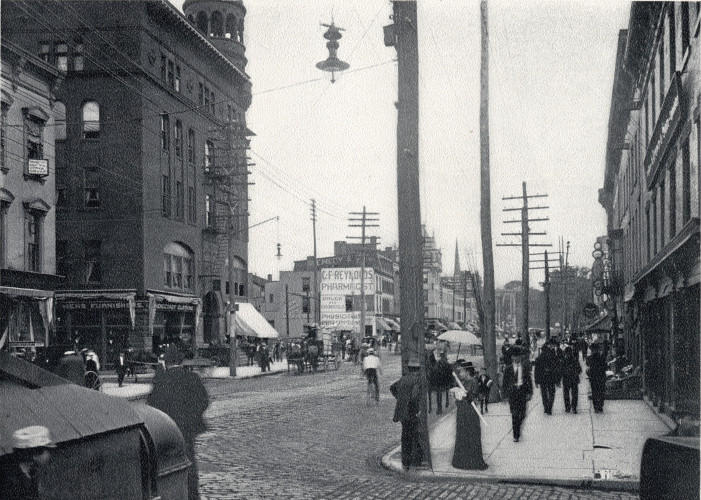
x=206 y=98
x=33 y=236
x=663 y=213
x=167 y=273
x=673 y=198
x=171 y=74
x=62 y=257
x=189 y=274
x=208 y=155
x=35 y=142
x=177 y=78
x=191 y=146
x=212 y=100
x=271 y=297
x=45 y=51
x=242 y=290
x=165 y=196
x=179 y=201
x=178 y=138
x=686 y=183
x=61 y=50
x=191 y=212
x=208 y=210
x=93 y=261
x=61 y=197
x=164 y=66
x=91 y=189
x=201 y=95
x=165 y=131
x=78 y=57
x=177 y=271
x=305 y=304
x=305 y=284
x=686 y=28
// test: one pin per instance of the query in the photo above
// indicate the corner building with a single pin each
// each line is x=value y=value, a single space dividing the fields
x=651 y=197
x=150 y=133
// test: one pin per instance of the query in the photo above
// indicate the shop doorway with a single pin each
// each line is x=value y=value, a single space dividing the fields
x=210 y=310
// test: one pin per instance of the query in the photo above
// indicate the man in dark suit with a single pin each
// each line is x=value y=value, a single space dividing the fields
x=121 y=368
x=548 y=374
x=597 y=377
x=518 y=387
x=408 y=392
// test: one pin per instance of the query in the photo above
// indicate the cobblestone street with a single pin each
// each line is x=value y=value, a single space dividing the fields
x=314 y=437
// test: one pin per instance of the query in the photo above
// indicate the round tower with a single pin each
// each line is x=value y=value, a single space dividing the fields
x=222 y=22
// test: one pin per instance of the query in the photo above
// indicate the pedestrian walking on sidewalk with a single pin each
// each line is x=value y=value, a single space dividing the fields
x=467 y=453
x=570 y=378
x=372 y=368
x=518 y=387
x=408 y=392
x=548 y=374
x=121 y=368
x=484 y=386
x=597 y=377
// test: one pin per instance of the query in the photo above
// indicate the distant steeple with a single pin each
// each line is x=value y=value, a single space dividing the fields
x=456 y=272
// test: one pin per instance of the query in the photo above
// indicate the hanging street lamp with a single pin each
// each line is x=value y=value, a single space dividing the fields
x=332 y=64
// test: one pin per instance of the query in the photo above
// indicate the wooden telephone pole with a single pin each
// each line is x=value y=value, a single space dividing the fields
x=403 y=35
x=525 y=248
x=364 y=223
x=546 y=286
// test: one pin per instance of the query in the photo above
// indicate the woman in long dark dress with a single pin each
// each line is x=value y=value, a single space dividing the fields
x=468 y=433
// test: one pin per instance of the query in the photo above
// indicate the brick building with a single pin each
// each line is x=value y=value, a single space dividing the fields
x=27 y=198
x=150 y=171
x=651 y=197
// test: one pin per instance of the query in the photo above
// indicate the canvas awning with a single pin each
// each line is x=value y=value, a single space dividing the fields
x=393 y=324
x=602 y=324
x=250 y=323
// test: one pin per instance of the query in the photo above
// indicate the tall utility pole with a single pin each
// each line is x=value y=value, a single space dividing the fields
x=564 y=276
x=489 y=340
x=317 y=298
x=403 y=35
x=364 y=223
x=287 y=309
x=525 y=247
x=546 y=287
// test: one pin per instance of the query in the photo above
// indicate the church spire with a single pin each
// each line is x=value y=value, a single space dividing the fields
x=456 y=271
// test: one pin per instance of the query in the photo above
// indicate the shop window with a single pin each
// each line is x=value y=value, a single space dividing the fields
x=91 y=120
x=91 y=187
x=61 y=51
x=178 y=267
x=191 y=146
x=165 y=196
x=305 y=284
x=165 y=131
x=178 y=143
x=60 y=117
x=93 y=261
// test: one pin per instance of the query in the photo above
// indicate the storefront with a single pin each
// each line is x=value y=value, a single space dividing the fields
x=27 y=319
x=174 y=319
x=102 y=321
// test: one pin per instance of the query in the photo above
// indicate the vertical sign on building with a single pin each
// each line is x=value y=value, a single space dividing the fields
x=340 y=298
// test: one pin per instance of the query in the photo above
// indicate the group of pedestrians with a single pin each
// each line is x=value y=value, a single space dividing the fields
x=554 y=367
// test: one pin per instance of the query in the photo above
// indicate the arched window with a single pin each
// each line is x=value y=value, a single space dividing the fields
x=230 y=31
x=60 y=110
x=202 y=22
x=91 y=120
x=217 y=24
x=178 y=267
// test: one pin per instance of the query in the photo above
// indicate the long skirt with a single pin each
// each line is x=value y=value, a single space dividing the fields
x=468 y=438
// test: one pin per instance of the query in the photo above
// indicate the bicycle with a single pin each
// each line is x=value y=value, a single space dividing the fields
x=92 y=380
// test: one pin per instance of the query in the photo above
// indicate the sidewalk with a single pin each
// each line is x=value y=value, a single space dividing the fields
x=131 y=390
x=601 y=450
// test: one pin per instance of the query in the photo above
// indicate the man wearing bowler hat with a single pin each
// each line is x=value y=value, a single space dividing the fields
x=408 y=392
x=518 y=387
x=19 y=476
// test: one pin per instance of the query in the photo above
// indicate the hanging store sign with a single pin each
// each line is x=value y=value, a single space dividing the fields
x=667 y=123
x=165 y=306
x=38 y=167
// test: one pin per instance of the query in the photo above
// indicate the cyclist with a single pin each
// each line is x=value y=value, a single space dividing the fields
x=371 y=367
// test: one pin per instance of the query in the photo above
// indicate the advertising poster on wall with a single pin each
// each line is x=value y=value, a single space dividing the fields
x=339 y=308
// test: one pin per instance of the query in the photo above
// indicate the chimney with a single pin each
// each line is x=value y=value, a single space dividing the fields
x=270 y=277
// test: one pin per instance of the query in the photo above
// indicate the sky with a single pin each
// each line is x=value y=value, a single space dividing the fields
x=551 y=73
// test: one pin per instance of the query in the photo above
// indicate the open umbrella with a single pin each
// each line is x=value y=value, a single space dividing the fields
x=460 y=337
